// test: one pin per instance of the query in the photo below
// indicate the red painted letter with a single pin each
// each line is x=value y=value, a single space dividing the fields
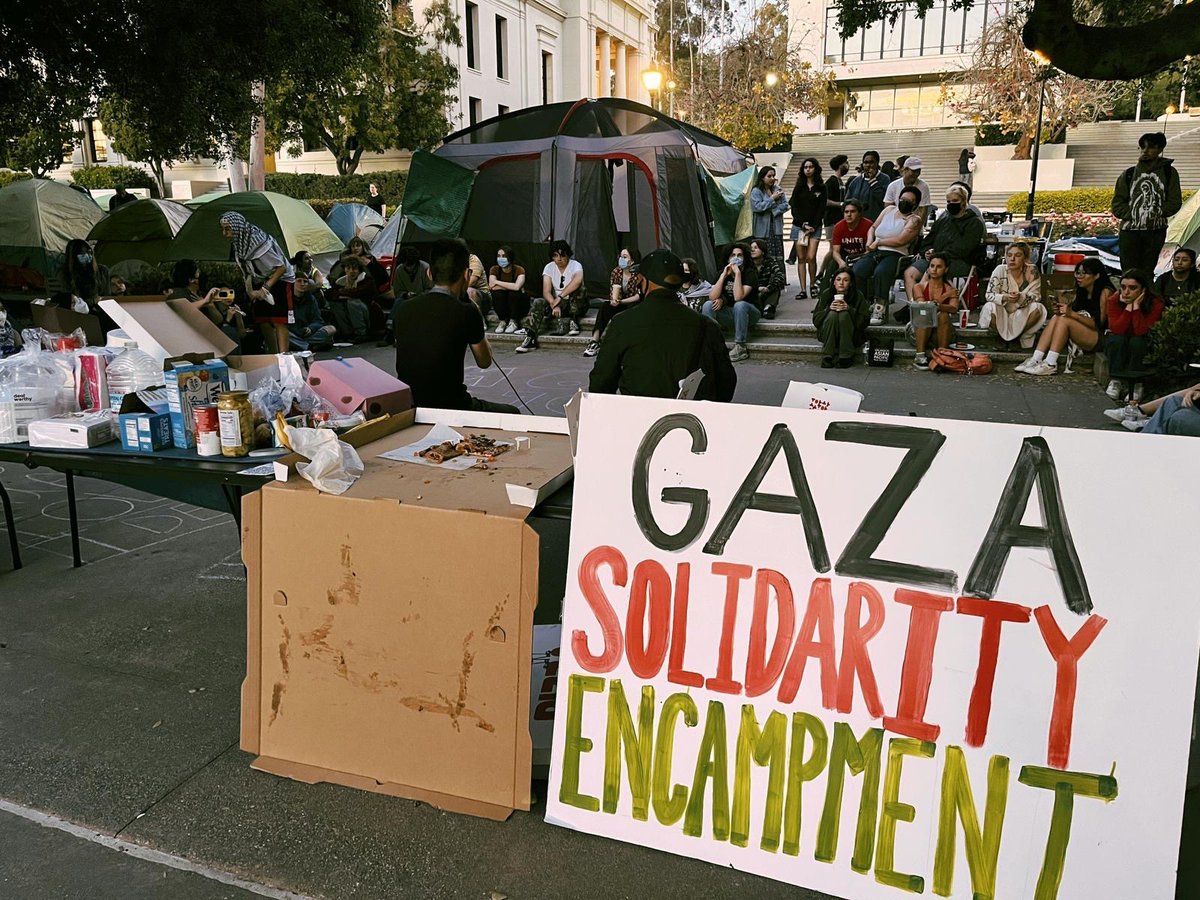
x=676 y=674
x=818 y=618
x=1066 y=656
x=610 y=625
x=994 y=614
x=855 y=659
x=652 y=588
x=917 y=673
x=734 y=575
x=761 y=672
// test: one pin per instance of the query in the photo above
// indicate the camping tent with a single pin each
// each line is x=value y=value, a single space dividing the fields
x=384 y=245
x=37 y=218
x=600 y=174
x=348 y=220
x=142 y=231
x=1183 y=229
x=291 y=222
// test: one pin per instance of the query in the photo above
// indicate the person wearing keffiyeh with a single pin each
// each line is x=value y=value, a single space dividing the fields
x=269 y=277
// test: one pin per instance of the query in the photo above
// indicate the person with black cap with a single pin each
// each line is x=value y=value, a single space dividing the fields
x=654 y=346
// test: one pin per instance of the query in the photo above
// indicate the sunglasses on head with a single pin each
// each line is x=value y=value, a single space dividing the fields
x=562 y=281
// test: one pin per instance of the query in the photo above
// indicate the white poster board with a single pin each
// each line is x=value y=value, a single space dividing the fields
x=930 y=656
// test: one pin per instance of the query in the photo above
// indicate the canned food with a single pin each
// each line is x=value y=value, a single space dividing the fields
x=236 y=423
x=208 y=429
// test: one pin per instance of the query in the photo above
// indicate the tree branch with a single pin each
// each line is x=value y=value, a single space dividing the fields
x=1133 y=50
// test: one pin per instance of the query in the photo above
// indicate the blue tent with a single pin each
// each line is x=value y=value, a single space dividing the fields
x=348 y=220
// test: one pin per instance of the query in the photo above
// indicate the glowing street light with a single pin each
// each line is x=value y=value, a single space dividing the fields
x=771 y=79
x=652 y=79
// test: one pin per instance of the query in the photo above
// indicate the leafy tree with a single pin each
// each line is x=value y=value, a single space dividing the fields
x=763 y=81
x=394 y=94
x=1003 y=85
x=1095 y=39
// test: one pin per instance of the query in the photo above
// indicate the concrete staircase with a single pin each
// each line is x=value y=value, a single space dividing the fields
x=1104 y=150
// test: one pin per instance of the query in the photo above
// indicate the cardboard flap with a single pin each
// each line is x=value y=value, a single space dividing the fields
x=168 y=328
x=57 y=320
x=186 y=359
x=153 y=402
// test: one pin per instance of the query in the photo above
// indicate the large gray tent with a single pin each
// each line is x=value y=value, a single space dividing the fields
x=599 y=174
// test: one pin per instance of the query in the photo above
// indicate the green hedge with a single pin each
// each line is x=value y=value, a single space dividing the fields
x=157 y=279
x=311 y=186
x=1076 y=200
x=111 y=177
x=7 y=178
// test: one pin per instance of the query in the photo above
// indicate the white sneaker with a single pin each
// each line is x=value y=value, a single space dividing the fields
x=1042 y=368
x=1136 y=394
x=1125 y=413
x=1113 y=390
x=921 y=361
x=500 y=328
x=1136 y=424
x=1027 y=365
x=877 y=314
x=511 y=328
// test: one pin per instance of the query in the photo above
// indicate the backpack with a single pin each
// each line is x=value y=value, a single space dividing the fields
x=959 y=363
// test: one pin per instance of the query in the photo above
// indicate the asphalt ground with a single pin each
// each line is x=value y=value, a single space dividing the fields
x=119 y=701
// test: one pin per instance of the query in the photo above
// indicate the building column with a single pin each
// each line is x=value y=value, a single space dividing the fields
x=622 y=74
x=633 y=76
x=605 y=63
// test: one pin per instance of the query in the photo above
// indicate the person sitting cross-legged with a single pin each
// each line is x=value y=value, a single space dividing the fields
x=935 y=287
x=1013 y=308
x=733 y=300
x=563 y=300
x=840 y=317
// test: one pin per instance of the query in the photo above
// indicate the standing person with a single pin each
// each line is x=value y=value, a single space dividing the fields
x=1145 y=196
x=1182 y=279
x=910 y=176
x=1013 y=308
x=375 y=200
x=120 y=198
x=840 y=317
x=506 y=281
x=433 y=330
x=626 y=289
x=733 y=300
x=888 y=240
x=768 y=203
x=966 y=166
x=1131 y=314
x=869 y=186
x=850 y=235
x=835 y=195
x=808 y=212
x=1077 y=322
x=653 y=347
x=268 y=274
x=563 y=297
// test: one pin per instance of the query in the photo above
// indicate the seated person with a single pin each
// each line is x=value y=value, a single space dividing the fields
x=888 y=239
x=10 y=338
x=1174 y=414
x=957 y=236
x=411 y=274
x=849 y=240
x=693 y=291
x=1013 y=308
x=303 y=262
x=1132 y=312
x=660 y=342
x=308 y=331
x=564 y=298
x=1076 y=321
x=82 y=278
x=936 y=287
x=910 y=177
x=771 y=277
x=840 y=317
x=626 y=289
x=1182 y=279
x=434 y=328
x=477 y=287
x=356 y=246
x=506 y=281
x=224 y=313
x=733 y=300
x=349 y=301
x=969 y=191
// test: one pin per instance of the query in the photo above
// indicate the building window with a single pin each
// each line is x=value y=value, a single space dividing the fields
x=99 y=142
x=501 y=109
x=474 y=110
x=547 y=77
x=472 y=23
x=945 y=28
x=501 y=47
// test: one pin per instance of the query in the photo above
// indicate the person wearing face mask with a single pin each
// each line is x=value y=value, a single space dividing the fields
x=694 y=288
x=626 y=289
x=888 y=240
x=81 y=276
x=1132 y=312
x=733 y=300
x=1145 y=196
x=433 y=330
x=910 y=176
x=957 y=236
x=506 y=281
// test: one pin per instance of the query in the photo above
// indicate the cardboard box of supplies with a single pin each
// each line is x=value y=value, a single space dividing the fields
x=144 y=422
x=375 y=659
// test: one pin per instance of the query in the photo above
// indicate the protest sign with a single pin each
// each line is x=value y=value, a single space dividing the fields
x=876 y=656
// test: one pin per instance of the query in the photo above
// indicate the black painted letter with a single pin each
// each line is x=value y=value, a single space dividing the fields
x=697 y=498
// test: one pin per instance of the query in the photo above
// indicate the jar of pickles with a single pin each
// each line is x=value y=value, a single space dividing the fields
x=236 y=423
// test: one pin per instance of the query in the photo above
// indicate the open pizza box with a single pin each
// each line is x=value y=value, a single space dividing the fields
x=390 y=628
x=174 y=328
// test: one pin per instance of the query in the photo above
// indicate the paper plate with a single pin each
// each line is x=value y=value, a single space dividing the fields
x=961 y=346
x=342 y=344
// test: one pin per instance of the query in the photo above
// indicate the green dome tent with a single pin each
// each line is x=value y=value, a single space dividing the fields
x=141 y=231
x=291 y=222
x=37 y=218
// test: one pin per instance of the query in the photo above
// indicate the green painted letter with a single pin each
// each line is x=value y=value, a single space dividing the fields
x=858 y=756
x=894 y=811
x=637 y=749
x=669 y=803
x=983 y=849
x=575 y=743
x=800 y=771
x=764 y=747
x=712 y=762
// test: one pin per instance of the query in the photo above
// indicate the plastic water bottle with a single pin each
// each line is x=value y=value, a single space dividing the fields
x=132 y=370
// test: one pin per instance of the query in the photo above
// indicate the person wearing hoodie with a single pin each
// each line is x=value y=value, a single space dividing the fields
x=1145 y=196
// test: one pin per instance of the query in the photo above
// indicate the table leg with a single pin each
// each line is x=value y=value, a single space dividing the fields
x=233 y=497
x=13 y=546
x=74 y=515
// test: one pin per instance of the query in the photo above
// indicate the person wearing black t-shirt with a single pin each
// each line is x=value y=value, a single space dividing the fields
x=435 y=328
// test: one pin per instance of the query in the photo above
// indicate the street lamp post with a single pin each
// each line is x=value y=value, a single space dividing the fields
x=1037 y=135
x=652 y=80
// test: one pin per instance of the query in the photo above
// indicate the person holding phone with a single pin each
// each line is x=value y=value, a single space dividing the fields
x=1076 y=322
